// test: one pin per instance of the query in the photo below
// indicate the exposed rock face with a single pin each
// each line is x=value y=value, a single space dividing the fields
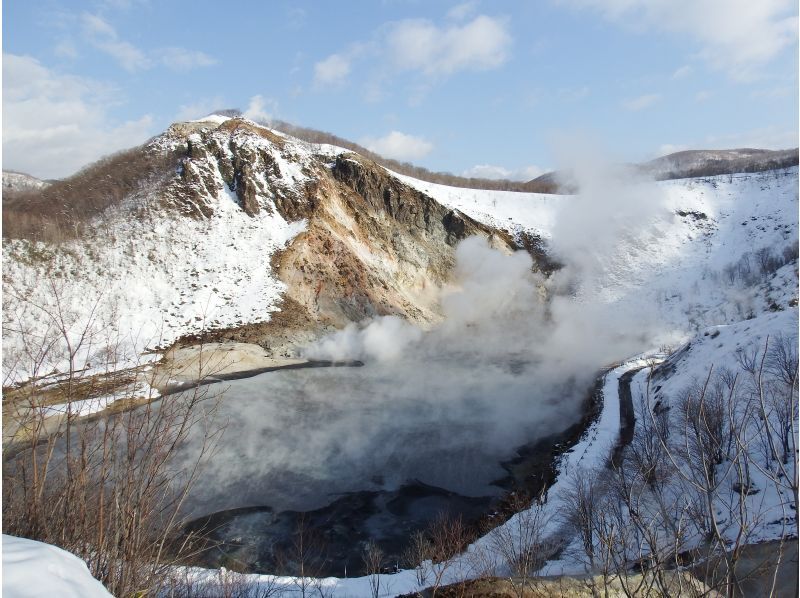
x=372 y=246
x=244 y=158
x=247 y=235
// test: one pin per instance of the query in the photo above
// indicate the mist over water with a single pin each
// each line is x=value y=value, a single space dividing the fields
x=511 y=362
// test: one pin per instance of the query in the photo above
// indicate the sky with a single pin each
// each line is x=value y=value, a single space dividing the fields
x=476 y=88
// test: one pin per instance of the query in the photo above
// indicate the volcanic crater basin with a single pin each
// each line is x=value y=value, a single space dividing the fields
x=369 y=453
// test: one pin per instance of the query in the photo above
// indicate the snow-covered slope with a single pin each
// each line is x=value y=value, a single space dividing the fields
x=18 y=181
x=33 y=570
x=148 y=277
x=703 y=267
x=222 y=243
x=692 y=163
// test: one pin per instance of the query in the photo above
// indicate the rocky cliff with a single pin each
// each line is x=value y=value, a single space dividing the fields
x=255 y=236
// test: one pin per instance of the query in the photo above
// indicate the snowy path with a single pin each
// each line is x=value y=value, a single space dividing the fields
x=588 y=459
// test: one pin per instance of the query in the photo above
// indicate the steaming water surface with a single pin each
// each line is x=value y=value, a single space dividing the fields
x=297 y=439
x=504 y=369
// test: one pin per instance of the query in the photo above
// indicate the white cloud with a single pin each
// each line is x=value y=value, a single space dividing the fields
x=420 y=45
x=423 y=47
x=54 y=124
x=181 y=59
x=489 y=171
x=702 y=95
x=462 y=11
x=66 y=49
x=682 y=72
x=258 y=106
x=129 y=56
x=641 y=102
x=94 y=25
x=735 y=35
x=332 y=71
x=103 y=36
x=398 y=146
x=199 y=108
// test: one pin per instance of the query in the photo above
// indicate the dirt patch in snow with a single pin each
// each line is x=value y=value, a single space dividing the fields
x=569 y=587
x=279 y=337
x=212 y=361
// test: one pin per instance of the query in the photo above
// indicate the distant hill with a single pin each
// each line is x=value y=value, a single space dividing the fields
x=695 y=163
x=678 y=165
x=15 y=182
x=684 y=165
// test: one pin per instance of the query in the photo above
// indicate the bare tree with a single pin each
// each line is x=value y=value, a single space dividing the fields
x=520 y=541
x=305 y=559
x=372 y=558
x=417 y=555
x=94 y=477
x=432 y=551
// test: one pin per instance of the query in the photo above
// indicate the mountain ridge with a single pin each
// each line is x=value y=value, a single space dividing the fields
x=667 y=167
x=248 y=221
x=234 y=231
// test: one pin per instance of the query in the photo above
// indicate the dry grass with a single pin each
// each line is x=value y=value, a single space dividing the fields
x=62 y=210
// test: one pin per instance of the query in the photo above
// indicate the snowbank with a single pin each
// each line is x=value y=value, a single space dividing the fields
x=37 y=570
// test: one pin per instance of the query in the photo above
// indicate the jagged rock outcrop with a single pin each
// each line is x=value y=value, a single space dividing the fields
x=372 y=245
x=243 y=234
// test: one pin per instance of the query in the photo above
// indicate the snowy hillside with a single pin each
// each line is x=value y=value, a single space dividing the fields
x=702 y=265
x=151 y=275
x=255 y=228
x=18 y=181
x=696 y=162
x=212 y=248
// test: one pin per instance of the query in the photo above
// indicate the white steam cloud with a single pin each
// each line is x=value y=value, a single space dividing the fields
x=511 y=362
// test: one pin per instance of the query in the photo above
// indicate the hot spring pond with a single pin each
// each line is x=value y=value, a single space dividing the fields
x=350 y=454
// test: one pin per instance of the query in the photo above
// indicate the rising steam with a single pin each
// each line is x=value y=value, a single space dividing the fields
x=511 y=361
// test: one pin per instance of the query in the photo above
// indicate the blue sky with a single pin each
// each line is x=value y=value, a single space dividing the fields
x=481 y=87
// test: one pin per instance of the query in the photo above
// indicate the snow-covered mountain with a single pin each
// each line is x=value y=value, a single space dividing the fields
x=253 y=227
x=694 y=163
x=686 y=164
x=14 y=182
x=258 y=236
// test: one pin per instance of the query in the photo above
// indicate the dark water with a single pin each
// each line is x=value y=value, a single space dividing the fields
x=353 y=454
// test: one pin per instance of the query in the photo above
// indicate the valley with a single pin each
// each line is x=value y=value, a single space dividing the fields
x=337 y=351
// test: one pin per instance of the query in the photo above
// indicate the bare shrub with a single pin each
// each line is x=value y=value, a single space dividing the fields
x=372 y=558
x=431 y=552
x=305 y=559
x=790 y=253
x=60 y=211
x=520 y=542
x=222 y=584
x=102 y=486
x=417 y=555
